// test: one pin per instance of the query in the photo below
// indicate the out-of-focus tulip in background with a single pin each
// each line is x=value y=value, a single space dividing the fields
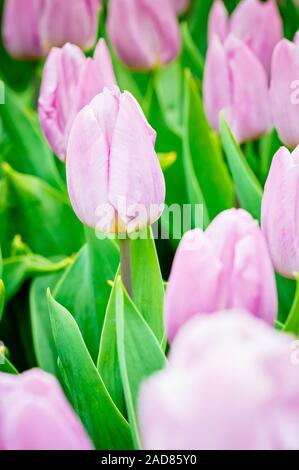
x=149 y=228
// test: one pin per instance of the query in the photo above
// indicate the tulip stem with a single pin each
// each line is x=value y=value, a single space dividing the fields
x=126 y=265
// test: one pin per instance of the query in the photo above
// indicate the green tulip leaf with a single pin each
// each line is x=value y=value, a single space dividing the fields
x=248 y=188
x=88 y=394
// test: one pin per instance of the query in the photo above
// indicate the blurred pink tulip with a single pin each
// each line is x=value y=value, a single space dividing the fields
x=180 y=5
x=35 y=415
x=230 y=384
x=235 y=82
x=227 y=266
x=70 y=81
x=149 y=35
x=114 y=177
x=284 y=91
x=257 y=23
x=32 y=27
x=280 y=221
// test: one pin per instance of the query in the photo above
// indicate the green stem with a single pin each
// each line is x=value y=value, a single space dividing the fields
x=126 y=265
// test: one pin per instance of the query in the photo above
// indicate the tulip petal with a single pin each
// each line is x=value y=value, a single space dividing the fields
x=218 y=21
x=136 y=182
x=88 y=160
x=280 y=217
x=284 y=97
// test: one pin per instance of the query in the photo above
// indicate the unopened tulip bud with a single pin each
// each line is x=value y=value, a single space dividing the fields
x=32 y=27
x=70 y=81
x=114 y=177
x=145 y=33
x=35 y=415
x=280 y=221
x=235 y=82
x=230 y=384
x=227 y=266
x=284 y=91
x=255 y=22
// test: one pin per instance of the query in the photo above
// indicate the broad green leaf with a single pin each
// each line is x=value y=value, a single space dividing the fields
x=292 y=323
x=31 y=153
x=88 y=394
x=19 y=269
x=198 y=22
x=38 y=212
x=43 y=340
x=138 y=351
x=269 y=144
x=2 y=298
x=168 y=83
x=148 y=285
x=108 y=364
x=248 y=188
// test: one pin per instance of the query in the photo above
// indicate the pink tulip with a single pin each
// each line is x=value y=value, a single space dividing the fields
x=284 y=91
x=114 y=178
x=236 y=83
x=149 y=34
x=280 y=222
x=230 y=384
x=253 y=21
x=70 y=81
x=32 y=27
x=180 y=5
x=36 y=416
x=227 y=266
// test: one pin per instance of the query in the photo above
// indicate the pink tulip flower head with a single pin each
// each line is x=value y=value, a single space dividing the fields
x=236 y=83
x=231 y=384
x=149 y=35
x=284 y=91
x=69 y=82
x=280 y=222
x=227 y=266
x=32 y=27
x=255 y=22
x=115 y=181
x=35 y=415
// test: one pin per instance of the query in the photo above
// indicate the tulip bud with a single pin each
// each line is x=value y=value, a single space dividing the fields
x=36 y=416
x=284 y=91
x=32 y=27
x=255 y=22
x=279 y=212
x=235 y=82
x=70 y=81
x=180 y=6
x=230 y=384
x=149 y=34
x=114 y=178
x=227 y=266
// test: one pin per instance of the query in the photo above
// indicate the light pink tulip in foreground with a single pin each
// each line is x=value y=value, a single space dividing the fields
x=284 y=91
x=114 y=177
x=227 y=266
x=235 y=82
x=144 y=33
x=70 y=81
x=280 y=217
x=35 y=415
x=230 y=384
x=257 y=23
x=32 y=27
